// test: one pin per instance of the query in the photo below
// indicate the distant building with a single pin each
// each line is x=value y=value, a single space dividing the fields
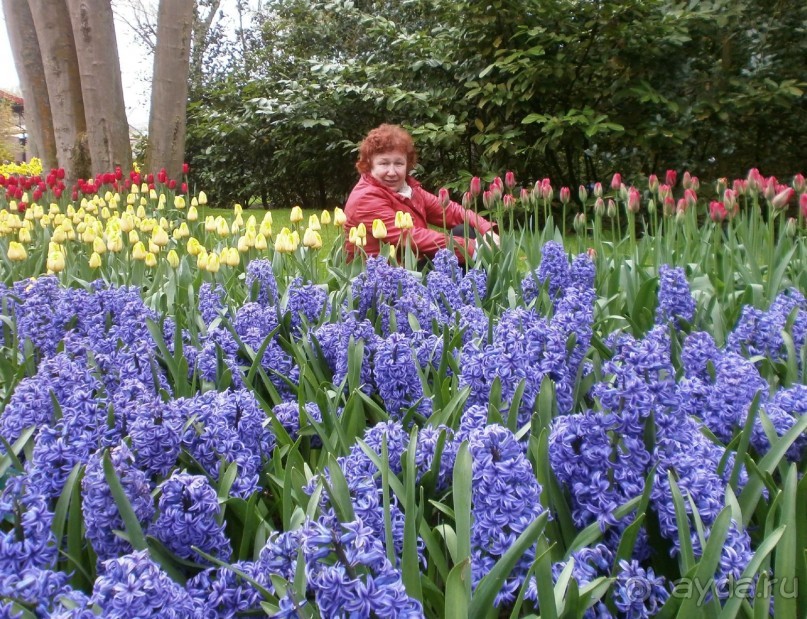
x=12 y=131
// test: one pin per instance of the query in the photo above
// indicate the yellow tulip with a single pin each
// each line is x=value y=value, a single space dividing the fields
x=105 y=214
x=265 y=229
x=173 y=259
x=143 y=204
x=361 y=241
x=361 y=231
x=179 y=202
x=159 y=237
x=339 y=217
x=194 y=246
x=267 y=217
x=153 y=249
x=150 y=260
x=222 y=229
x=312 y=239
x=351 y=235
x=98 y=245
x=193 y=213
x=153 y=194
x=95 y=260
x=55 y=261
x=54 y=247
x=237 y=209
x=194 y=201
x=135 y=189
x=141 y=212
x=260 y=242
x=139 y=251
x=24 y=235
x=283 y=242
x=325 y=218
x=88 y=236
x=243 y=244
x=114 y=243
x=133 y=237
x=296 y=215
x=210 y=223
x=231 y=257
x=144 y=187
x=295 y=239
x=16 y=252
x=379 y=229
x=59 y=235
x=202 y=198
x=201 y=261
x=127 y=222
x=213 y=263
x=313 y=223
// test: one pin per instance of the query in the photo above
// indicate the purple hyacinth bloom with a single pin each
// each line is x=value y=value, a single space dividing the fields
x=307 y=303
x=189 y=509
x=335 y=340
x=505 y=501
x=134 y=586
x=638 y=592
x=553 y=272
x=397 y=377
x=101 y=514
x=290 y=417
x=221 y=591
x=261 y=282
x=675 y=301
x=36 y=588
x=30 y=543
x=698 y=351
x=349 y=574
x=211 y=302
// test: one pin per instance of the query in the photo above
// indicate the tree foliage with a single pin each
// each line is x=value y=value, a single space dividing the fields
x=561 y=88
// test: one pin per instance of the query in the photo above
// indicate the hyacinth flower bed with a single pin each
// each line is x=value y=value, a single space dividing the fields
x=554 y=432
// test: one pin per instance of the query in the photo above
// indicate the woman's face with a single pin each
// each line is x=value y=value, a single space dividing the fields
x=389 y=169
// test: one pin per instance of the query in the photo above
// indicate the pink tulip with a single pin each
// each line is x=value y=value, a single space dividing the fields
x=616 y=181
x=652 y=182
x=509 y=180
x=634 y=200
x=717 y=211
x=669 y=206
x=582 y=193
x=686 y=181
x=799 y=184
x=509 y=201
x=781 y=199
x=671 y=177
x=598 y=189
x=565 y=195
x=443 y=197
x=476 y=186
x=803 y=205
x=691 y=197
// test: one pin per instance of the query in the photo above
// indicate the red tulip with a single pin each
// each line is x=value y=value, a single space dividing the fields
x=803 y=204
x=185 y=168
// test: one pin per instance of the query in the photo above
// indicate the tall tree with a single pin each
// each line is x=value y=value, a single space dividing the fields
x=101 y=86
x=58 y=50
x=169 y=87
x=28 y=60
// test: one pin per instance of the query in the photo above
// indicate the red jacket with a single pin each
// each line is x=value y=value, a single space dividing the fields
x=371 y=200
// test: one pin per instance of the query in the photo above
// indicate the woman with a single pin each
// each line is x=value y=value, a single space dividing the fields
x=385 y=157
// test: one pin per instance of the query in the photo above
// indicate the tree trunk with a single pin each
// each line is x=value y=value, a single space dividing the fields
x=101 y=87
x=28 y=60
x=58 y=51
x=169 y=91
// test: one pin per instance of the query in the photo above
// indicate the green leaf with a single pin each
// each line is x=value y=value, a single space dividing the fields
x=458 y=587
x=134 y=532
x=784 y=604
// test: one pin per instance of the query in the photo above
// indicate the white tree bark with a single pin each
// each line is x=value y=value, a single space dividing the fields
x=101 y=86
x=169 y=92
x=58 y=52
x=27 y=59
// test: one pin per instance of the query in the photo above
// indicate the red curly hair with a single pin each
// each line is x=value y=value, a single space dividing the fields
x=383 y=139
